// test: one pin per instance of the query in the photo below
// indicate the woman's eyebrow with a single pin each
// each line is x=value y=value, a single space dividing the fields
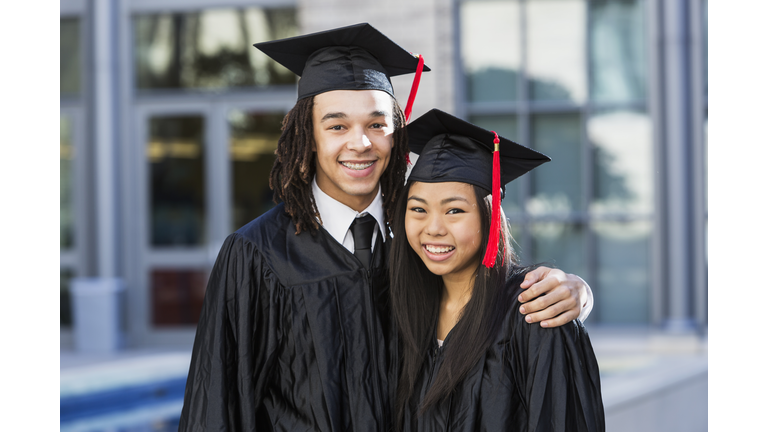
x=443 y=202
x=454 y=198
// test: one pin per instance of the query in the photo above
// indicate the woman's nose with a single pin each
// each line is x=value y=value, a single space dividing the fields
x=435 y=226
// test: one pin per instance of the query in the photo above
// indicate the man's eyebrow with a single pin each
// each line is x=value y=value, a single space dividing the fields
x=333 y=115
x=379 y=114
x=341 y=115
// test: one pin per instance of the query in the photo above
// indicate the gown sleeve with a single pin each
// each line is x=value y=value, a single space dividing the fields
x=559 y=378
x=235 y=343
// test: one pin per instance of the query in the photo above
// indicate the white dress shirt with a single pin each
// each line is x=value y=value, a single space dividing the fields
x=337 y=217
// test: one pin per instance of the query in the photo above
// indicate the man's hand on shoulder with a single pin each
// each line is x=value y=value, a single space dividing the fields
x=554 y=298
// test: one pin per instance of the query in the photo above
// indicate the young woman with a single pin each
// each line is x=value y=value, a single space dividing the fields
x=469 y=361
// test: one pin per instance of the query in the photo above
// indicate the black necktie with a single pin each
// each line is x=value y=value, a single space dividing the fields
x=362 y=231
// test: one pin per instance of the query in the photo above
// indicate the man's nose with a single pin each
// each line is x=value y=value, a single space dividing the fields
x=360 y=141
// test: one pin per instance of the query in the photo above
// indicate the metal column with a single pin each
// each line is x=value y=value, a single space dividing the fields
x=677 y=148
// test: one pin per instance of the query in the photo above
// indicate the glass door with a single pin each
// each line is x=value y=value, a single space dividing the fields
x=176 y=177
x=202 y=172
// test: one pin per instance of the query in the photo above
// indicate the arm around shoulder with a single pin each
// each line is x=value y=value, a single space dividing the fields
x=554 y=298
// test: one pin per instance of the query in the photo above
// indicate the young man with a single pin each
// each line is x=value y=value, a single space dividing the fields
x=295 y=333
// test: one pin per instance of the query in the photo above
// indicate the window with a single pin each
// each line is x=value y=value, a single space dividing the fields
x=175 y=153
x=252 y=144
x=568 y=78
x=70 y=56
x=210 y=48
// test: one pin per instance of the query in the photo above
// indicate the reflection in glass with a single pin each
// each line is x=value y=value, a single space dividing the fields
x=177 y=296
x=66 y=154
x=65 y=298
x=617 y=42
x=253 y=140
x=556 y=184
x=558 y=244
x=555 y=49
x=623 y=161
x=176 y=181
x=211 y=48
x=69 y=56
x=506 y=126
x=490 y=47
x=623 y=271
x=516 y=231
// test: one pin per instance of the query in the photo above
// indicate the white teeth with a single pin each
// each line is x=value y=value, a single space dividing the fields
x=439 y=249
x=357 y=166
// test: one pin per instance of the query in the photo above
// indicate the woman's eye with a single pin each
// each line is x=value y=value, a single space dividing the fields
x=418 y=210
x=455 y=211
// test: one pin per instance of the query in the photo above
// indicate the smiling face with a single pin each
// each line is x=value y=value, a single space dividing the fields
x=442 y=223
x=353 y=142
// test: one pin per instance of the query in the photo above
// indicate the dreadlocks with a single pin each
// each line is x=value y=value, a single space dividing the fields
x=294 y=168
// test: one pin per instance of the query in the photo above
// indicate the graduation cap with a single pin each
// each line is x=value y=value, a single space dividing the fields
x=356 y=57
x=453 y=150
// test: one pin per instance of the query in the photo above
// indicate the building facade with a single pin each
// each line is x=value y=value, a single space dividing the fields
x=169 y=119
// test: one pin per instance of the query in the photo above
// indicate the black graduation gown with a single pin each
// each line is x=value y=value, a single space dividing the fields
x=294 y=336
x=530 y=379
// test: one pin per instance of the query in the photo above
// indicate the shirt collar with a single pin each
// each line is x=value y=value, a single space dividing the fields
x=337 y=217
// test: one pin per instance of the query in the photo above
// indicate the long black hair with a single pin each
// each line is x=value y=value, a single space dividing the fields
x=294 y=168
x=416 y=292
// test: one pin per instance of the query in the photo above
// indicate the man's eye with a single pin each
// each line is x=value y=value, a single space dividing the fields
x=377 y=125
x=336 y=128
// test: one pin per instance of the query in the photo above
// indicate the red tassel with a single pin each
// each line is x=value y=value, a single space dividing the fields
x=492 y=250
x=414 y=88
x=412 y=97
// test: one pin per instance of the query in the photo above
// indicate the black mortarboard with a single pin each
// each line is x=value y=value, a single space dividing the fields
x=453 y=150
x=356 y=57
